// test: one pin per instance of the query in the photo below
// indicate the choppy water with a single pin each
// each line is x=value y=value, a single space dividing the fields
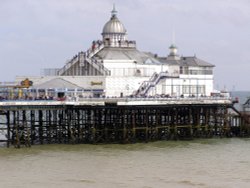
x=216 y=163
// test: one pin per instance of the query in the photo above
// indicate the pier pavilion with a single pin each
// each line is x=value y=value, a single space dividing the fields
x=115 y=93
x=114 y=67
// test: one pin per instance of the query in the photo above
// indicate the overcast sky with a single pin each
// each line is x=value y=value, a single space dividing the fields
x=37 y=34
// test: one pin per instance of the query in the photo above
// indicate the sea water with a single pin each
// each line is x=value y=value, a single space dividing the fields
x=205 y=163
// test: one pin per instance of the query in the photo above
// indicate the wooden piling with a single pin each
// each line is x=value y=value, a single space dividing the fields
x=28 y=125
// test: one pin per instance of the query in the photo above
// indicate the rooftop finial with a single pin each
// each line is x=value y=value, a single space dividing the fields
x=113 y=12
x=173 y=46
x=173 y=36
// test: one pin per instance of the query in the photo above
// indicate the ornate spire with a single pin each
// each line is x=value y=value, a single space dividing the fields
x=173 y=48
x=113 y=12
x=173 y=36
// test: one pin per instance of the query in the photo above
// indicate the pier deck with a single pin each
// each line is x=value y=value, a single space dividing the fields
x=115 y=120
x=118 y=101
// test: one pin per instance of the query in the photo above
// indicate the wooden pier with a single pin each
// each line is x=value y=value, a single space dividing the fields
x=118 y=120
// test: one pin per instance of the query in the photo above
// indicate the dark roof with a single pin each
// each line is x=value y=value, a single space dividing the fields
x=194 y=61
x=168 y=61
x=185 y=61
x=122 y=53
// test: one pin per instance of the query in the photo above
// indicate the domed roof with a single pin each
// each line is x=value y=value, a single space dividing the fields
x=114 y=25
x=172 y=46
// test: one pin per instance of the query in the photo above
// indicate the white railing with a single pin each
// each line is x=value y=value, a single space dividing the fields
x=153 y=98
x=98 y=66
x=122 y=44
x=154 y=79
x=69 y=64
x=81 y=58
x=92 y=51
x=121 y=99
x=8 y=83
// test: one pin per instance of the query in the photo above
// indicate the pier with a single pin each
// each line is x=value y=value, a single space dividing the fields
x=115 y=93
x=116 y=120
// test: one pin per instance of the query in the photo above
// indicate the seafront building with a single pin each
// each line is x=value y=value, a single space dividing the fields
x=114 y=67
x=114 y=93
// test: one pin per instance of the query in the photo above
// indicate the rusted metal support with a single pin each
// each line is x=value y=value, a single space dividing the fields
x=133 y=126
x=8 y=128
x=40 y=126
x=117 y=124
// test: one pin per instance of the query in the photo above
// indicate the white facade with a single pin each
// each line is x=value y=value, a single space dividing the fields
x=114 y=67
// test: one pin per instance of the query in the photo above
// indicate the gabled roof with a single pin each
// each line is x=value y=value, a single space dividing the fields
x=121 y=53
x=56 y=83
x=109 y=53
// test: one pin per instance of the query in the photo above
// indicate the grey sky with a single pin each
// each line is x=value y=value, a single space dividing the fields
x=37 y=34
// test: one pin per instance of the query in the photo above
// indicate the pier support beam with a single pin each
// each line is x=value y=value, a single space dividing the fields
x=115 y=124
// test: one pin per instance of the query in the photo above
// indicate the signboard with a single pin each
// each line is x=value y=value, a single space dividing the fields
x=26 y=83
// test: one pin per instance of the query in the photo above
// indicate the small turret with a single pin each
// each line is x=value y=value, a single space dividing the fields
x=173 y=53
x=173 y=50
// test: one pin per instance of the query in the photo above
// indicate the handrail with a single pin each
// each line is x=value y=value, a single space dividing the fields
x=89 y=54
x=7 y=83
x=154 y=79
x=69 y=64
x=98 y=65
x=119 y=99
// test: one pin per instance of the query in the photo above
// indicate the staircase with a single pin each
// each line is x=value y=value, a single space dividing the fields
x=152 y=82
x=87 y=57
x=98 y=66
x=92 y=51
x=68 y=64
x=94 y=62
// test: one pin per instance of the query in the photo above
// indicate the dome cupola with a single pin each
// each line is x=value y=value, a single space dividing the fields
x=113 y=31
x=113 y=25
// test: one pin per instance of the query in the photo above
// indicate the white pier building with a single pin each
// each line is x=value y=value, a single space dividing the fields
x=114 y=67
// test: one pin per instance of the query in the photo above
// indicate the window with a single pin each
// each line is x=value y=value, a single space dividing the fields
x=181 y=70
x=193 y=89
